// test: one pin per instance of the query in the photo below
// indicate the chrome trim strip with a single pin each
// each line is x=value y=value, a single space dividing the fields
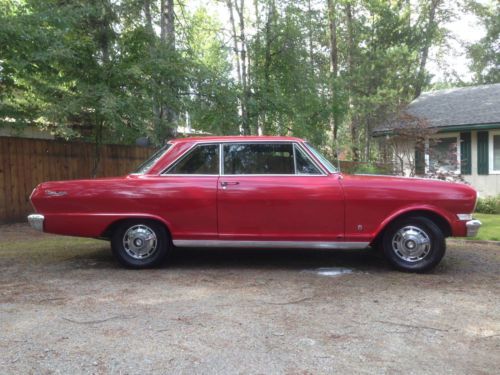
x=272 y=244
x=321 y=168
x=186 y=154
x=472 y=227
x=36 y=221
x=293 y=143
x=317 y=163
x=221 y=159
x=52 y=193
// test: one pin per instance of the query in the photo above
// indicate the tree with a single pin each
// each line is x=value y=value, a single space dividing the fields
x=485 y=54
x=212 y=98
x=326 y=70
x=430 y=31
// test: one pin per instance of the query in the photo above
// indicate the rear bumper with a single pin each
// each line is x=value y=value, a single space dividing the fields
x=472 y=227
x=36 y=221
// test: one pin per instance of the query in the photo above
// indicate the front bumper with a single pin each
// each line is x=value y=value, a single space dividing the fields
x=36 y=221
x=472 y=227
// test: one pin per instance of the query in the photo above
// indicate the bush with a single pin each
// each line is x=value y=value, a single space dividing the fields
x=488 y=205
x=367 y=169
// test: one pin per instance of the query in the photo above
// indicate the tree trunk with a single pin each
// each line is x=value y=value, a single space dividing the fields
x=310 y=35
x=350 y=67
x=267 y=65
x=97 y=149
x=429 y=34
x=170 y=24
x=235 y=39
x=240 y=55
x=104 y=33
x=147 y=14
x=333 y=120
x=244 y=71
x=259 y=122
x=166 y=127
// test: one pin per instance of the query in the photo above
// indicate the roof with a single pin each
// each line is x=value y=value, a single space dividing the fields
x=234 y=138
x=477 y=105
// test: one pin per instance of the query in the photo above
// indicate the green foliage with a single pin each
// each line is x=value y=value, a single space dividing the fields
x=212 y=100
x=488 y=205
x=485 y=54
x=367 y=168
x=489 y=227
x=68 y=69
x=104 y=70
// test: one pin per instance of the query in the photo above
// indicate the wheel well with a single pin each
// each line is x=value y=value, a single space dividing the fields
x=437 y=219
x=108 y=232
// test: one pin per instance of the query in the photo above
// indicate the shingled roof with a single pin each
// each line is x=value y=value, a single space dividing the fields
x=477 y=105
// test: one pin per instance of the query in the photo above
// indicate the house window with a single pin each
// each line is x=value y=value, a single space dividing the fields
x=495 y=152
x=443 y=155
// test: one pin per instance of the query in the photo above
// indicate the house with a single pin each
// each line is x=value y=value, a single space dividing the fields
x=453 y=131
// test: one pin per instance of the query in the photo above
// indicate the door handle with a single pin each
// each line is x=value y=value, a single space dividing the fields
x=224 y=184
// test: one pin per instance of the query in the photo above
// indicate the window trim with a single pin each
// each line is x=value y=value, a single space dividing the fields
x=491 y=151
x=188 y=152
x=306 y=155
x=221 y=143
x=168 y=146
x=293 y=143
x=437 y=136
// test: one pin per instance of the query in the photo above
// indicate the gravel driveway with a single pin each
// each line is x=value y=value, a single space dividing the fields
x=66 y=307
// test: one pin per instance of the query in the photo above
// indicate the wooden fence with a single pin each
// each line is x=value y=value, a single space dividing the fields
x=24 y=163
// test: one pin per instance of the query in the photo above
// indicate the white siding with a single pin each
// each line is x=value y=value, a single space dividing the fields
x=484 y=184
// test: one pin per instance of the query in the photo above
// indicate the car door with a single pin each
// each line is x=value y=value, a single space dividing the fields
x=189 y=194
x=276 y=192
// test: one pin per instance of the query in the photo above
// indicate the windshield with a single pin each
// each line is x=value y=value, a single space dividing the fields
x=146 y=166
x=322 y=159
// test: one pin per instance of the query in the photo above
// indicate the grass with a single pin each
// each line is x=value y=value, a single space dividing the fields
x=490 y=230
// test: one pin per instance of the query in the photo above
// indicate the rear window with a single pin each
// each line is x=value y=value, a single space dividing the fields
x=258 y=159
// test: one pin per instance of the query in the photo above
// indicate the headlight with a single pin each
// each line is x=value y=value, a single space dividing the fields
x=464 y=217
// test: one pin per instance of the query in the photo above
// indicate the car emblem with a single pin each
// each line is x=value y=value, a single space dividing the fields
x=55 y=193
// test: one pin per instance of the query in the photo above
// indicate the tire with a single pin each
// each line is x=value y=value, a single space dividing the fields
x=140 y=244
x=414 y=244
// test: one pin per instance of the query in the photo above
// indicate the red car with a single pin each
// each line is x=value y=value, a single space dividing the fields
x=260 y=192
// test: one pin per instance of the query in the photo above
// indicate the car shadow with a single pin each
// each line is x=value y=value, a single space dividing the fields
x=196 y=258
x=237 y=258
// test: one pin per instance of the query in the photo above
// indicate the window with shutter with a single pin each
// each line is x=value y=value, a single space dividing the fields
x=465 y=153
x=482 y=153
x=419 y=161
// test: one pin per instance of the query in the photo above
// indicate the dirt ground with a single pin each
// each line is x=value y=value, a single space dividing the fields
x=67 y=307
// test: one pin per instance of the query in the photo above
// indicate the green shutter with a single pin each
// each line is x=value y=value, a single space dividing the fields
x=482 y=153
x=419 y=161
x=465 y=153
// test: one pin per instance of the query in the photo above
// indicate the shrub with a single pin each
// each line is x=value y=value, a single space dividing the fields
x=367 y=169
x=488 y=205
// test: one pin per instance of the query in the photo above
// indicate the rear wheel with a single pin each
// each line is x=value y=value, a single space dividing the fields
x=414 y=244
x=140 y=243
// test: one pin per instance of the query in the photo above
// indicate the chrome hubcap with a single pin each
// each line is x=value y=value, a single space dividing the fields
x=140 y=241
x=411 y=244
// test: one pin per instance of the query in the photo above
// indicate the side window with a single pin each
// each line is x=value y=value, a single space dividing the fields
x=258 y=158
x=203 y=159
x=304 y=164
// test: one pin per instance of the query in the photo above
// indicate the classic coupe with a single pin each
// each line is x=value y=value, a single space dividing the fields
x=256 y=192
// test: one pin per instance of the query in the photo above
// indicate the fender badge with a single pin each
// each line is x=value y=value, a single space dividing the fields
x=55 y=193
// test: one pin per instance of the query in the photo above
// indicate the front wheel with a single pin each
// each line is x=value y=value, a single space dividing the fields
x=140 y=243
x=414 y=244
